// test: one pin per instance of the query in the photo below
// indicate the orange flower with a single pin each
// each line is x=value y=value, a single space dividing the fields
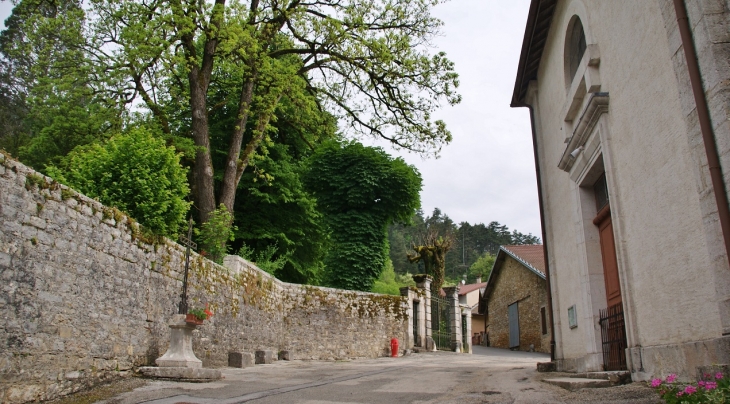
x=207 y=311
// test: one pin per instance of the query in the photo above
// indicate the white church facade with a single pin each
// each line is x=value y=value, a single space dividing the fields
x=632 y=150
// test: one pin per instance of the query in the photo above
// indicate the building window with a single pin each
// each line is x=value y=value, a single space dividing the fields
x=576 y=46
x=572 y=317
x=600 y=191
x=543 y=319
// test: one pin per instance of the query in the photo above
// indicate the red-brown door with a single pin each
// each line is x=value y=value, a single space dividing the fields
x=613 y=330
x=608 y=255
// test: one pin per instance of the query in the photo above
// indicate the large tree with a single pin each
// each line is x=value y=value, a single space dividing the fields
x=360 y=190
x=366 y=61
x=49 y=101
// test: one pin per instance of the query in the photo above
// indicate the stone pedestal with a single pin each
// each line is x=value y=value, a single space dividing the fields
x=179 y=362
x=180 y=353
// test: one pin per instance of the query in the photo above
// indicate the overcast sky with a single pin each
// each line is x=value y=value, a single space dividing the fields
x=487 y=173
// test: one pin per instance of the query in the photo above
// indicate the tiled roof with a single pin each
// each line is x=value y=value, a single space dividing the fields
x=464 y=289
x=532 y=255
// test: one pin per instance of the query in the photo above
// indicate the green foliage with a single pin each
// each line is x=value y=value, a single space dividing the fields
x=389 y=282
x=272 y=206
x=481 y=268
x=134 y=172
x=360 y=190
x=264 y=259
x=199 y=313
x=51 y=97
x=215 y=233
x=367 y=63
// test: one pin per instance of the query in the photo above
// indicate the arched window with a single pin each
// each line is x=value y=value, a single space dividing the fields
x=576 y=46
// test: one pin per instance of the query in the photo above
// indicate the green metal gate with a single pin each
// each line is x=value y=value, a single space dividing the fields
x=416 y=333
x=440 y=323
x=465 y=337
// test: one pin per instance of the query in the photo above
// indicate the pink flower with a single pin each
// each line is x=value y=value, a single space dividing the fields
x=690 y=389
x=671 y=378
x=710 y=385
x=656 y=383
x=701 y=383
x=718 y=375
x=707 y=375
x=680 y=394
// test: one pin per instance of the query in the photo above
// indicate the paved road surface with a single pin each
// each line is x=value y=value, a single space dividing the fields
x=488 y=376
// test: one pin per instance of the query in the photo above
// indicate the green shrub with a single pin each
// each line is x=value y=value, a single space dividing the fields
x=134 y=172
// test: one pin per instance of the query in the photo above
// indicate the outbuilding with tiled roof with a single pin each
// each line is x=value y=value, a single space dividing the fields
x=515 y=300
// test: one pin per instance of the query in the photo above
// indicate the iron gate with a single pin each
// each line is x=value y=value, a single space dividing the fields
x=465 y=338
x=440 y=323
x=613 y=337
x=416 y=334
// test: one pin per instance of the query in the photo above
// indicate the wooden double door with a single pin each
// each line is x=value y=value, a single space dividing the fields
x=608 y=256
x=613 y=329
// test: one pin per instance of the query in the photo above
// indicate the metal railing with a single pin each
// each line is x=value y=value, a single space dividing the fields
x=613 y=337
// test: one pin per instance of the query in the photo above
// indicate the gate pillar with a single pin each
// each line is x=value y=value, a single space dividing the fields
x=455 y=318
x=416 y=317
x=423 y=283
x=466 y=328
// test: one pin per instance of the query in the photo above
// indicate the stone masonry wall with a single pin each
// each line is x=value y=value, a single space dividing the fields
x=85 y=297
x=515 y=283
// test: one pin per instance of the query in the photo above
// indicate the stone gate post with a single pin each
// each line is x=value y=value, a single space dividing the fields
x=466 y=312
x=416 y=314
x=423 y=282
x=453 y=296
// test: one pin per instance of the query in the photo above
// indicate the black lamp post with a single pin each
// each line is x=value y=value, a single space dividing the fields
x=188 y=243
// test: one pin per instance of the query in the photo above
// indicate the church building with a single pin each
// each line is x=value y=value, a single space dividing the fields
x=630 y=109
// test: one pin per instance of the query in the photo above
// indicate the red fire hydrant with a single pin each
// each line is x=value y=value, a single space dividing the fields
x=394 y=347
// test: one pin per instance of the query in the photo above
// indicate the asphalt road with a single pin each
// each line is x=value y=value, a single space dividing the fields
x=488 y=376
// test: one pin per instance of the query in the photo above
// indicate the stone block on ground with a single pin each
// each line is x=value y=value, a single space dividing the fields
x=197 y=375
x=285 y=355
x=546 y=366
x=240 y=359
x=264 y=357
x=616 y=377
x=575 y=383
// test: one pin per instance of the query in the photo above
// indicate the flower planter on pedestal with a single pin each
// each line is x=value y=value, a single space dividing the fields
x=191 y=319
x=179 y=362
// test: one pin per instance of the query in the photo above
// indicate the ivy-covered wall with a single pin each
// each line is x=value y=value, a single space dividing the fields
x=85 y=297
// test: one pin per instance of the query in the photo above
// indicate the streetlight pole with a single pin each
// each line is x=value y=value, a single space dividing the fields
x=188 y=243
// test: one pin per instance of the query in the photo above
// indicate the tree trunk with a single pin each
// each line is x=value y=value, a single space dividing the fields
x=199 y=80
x=203 y=169
x=230 y=179
x=228 y=188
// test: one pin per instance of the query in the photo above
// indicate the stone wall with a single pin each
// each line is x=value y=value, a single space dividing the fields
x=515 y=283
x=86 y=297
